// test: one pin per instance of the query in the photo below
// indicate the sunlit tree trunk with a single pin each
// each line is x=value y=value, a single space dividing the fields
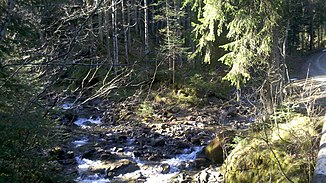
x=284 y=52
x=100 y=26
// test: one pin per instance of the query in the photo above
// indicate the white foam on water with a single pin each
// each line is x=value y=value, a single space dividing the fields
x=161 y=178
x=92 y=179
x=80 y=142
x=150 y=173
x=66 y=106
x=186 y=157
x=153 y=174
x=80 y=121
x=84 y=165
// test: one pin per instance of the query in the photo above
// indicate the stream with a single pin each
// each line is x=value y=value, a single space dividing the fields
x=106 y=152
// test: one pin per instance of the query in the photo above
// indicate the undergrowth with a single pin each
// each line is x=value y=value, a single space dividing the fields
x=281 y=149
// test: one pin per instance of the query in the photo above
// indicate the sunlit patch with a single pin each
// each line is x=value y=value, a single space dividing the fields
x=306 y=90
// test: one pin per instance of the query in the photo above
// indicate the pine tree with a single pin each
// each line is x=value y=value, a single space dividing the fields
x=173 y=49
x=253 y=31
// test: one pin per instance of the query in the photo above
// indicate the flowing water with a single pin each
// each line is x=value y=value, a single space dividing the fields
x=149 y=171
x=106 y=152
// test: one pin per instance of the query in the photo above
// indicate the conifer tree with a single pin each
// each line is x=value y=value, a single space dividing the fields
x=173 y=49
x=253 y=30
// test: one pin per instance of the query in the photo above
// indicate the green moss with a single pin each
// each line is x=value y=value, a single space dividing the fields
x=297 y=127
x=145 y=109
x=258 y=159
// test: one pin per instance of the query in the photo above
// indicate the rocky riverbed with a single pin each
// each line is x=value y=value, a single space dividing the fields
x=108 y=142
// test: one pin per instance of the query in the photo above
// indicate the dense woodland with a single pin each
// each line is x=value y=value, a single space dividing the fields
x=112 y=49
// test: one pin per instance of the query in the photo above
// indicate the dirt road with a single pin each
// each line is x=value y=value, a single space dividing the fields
x=317 y=65
x=317 y=71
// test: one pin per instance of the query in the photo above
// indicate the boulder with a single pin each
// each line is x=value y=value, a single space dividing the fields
x=214 y=150
x=122 y=166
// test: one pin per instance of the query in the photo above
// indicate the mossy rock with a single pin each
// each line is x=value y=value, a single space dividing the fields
x=256 y=159
x=214 y=150
x=297 y=127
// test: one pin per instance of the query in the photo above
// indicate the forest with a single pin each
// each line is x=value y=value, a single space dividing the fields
x=110 y=90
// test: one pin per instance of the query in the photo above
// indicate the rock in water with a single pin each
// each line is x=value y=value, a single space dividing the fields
x=164 y=168
x=214 y=150
x=157 y=142
x=121 y=167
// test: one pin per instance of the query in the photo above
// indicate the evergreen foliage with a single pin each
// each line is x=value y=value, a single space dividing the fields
x=55 y=48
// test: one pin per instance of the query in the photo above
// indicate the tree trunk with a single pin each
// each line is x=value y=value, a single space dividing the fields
x=303 y=43
x=146 y=30
x=128 y=23
x=115 y=36
x=272 y=95
x=89 y=7
x=168 y=32
x=100 y=27
x=284 y=53
x=6 y=19
x=136 y=19
x=125 y=28
x=107 y=35
x=311 y=25
x=311 y=35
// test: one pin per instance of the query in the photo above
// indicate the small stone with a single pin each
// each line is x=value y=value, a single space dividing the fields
x=57 y=152
x=164 y=168
x=153 y=158
x=67 y=161
x=201 y=162
x=182 y=144
x=69 y=155
x=108 y=156
x=157 y=142
x=89 y=154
